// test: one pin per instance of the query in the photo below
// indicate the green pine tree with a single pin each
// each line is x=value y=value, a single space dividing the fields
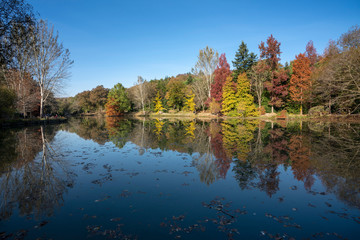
x=243 y=60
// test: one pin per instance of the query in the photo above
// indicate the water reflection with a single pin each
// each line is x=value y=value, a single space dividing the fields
x=33 y=176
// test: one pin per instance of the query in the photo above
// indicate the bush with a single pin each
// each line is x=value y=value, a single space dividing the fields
x=7 y=102
x=317 y=111
x=282 y=115
x=262 y=110
x=215 y=107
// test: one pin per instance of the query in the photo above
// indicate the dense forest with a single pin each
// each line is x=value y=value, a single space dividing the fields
x=34 y=64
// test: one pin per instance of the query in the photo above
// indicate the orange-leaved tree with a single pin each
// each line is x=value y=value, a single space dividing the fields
x=300 y=80
x=117 y=101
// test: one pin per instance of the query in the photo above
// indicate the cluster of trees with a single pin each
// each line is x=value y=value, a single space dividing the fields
x=33 y=62
x=258 y=85
x=92 y=101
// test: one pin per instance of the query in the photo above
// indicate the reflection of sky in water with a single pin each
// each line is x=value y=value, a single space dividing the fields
x=115 y=186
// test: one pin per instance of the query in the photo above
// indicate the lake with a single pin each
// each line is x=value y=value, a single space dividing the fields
x=118 y=178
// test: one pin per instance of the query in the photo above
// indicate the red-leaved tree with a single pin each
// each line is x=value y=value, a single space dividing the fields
x=221 y=72
x=270 y=52
x=311 y=53
x=277 y=86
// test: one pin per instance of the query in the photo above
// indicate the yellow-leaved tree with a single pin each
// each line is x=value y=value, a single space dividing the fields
x=189 y=103
x=245 y=101
x=229 y=100
x=158 y=103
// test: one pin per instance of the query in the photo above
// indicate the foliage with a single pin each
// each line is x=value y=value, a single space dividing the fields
x=317 y=111
x=278 y=88
x=243 y=60
x=215 y=107
x=230 y=102
x=311 y=53
x=175 y=93
x=117 y=101
x=245 y=106
x=221 y=72
x=7 y=101
x=189 y=103
x=270 y=52
x=158 y=103
x=300 y=80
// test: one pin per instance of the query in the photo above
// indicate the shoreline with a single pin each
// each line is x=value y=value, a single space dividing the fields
x=19 y=122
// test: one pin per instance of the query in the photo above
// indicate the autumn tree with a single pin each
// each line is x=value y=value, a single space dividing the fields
x=117 y=101
x=50 y=61
x=270 y=52
x=245 y=105
x=189 y=103
x=243 y=60
x=311 y=53
x=158 y=103
x=277 y=84
x=337 y=79
x=278 y=88
x=230 y=102
x=300 y=80
x=221 y=72
x=176 y=93
x=207 y=61
x=98 y=97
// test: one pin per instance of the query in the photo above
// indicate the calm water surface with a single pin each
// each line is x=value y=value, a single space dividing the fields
x=171 y=179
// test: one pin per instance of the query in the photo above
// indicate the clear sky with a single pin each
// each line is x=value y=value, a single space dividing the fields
x=114 y=41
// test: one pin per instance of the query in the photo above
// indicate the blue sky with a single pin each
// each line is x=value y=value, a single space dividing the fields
x=114 y=41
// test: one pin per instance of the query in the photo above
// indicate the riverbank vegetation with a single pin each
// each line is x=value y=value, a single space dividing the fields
x=314 y=84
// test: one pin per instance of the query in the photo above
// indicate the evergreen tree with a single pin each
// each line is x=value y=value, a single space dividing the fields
x=245 y=106
x=243 y=60
x=230 y=102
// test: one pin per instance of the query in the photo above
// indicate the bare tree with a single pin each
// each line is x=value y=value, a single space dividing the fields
x=50 y=63
x=259 y=73
x=200 y=91
x=207 y=61
x=18 y=75
x=141 y=92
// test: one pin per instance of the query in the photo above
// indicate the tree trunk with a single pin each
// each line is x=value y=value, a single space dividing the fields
x=272 y=109
x=41 y=104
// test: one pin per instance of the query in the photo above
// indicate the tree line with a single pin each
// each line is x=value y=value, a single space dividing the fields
x=326 y=83
x=33 y=62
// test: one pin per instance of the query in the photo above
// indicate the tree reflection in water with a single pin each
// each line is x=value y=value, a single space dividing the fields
x=254 y=151
x=35 y=176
